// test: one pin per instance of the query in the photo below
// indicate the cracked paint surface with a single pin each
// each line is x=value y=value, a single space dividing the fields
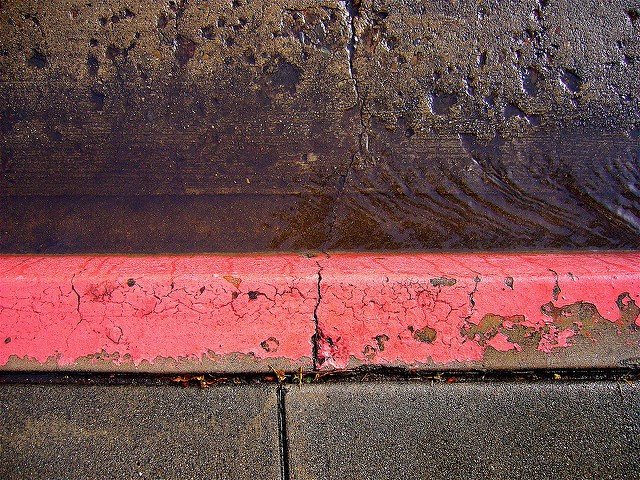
x=324 y=312
x=127 y=309
x=438 y=309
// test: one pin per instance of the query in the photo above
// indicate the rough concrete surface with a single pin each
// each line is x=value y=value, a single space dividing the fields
x=189 y=126
x=80 y=432
x=497 y=67
x=558 y=430
x=173 y=97
x=494 y=125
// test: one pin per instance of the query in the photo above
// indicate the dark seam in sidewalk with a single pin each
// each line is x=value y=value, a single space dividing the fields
x=282 y=434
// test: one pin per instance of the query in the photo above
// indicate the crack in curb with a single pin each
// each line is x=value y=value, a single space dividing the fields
x=73 y=289
x=472 y=302
x=556 y=287
x=315 y=339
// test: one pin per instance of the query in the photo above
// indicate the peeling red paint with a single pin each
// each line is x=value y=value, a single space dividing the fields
x=398 y=295
x=425 y=310
x=139 y=309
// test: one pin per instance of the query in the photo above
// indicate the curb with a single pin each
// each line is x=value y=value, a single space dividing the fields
x=246 y=313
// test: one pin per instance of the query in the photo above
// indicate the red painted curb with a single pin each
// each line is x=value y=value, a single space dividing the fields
x=251 y=313
x=480 y=310
x=157 y=313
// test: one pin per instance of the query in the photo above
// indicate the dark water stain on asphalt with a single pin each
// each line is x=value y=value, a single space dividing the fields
x=272 y=135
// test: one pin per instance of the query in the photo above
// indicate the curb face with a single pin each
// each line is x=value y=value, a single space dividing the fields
x=166 y=313
x=254 y=313
x=480 y=310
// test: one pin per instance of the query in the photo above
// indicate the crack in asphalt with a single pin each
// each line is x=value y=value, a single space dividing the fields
x=352 y=10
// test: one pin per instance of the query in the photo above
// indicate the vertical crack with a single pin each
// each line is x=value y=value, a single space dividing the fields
x=556 y=287
x=282 y=433
x=352 y=9
x=73 y=289
x=472 y=302
x=341 y=184
x=315 y=339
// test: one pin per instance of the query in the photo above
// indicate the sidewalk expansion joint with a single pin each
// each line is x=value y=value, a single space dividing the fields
x=282 y=433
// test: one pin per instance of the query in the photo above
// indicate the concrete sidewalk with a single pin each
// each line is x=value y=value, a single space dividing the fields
x=552 y=429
